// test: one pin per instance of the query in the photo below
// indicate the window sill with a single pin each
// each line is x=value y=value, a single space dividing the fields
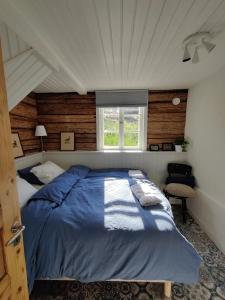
x=119 y=151
x=135 y=151
x=113 y=151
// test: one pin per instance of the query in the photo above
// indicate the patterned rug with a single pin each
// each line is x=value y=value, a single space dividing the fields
x=210 y=287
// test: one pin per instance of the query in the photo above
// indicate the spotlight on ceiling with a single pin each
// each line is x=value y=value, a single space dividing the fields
x=208 y=46
x=194 y=42
x=187 y=55
x=195 y=58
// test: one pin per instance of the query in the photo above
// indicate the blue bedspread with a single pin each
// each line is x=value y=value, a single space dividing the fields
x=87 y=225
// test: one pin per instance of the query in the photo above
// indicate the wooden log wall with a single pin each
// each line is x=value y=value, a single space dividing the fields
x=166 y=122
x=68 y=112
x=24 y=118
x=73 y=112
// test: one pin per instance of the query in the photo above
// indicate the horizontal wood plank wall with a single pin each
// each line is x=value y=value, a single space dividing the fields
x=166 y=121
x=73 y=112
x=68 y=112
x=24 y=119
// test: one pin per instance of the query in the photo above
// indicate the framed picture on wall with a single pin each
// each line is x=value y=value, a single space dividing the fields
x=16 y=144
x=67 y=141
x=153 y=147
x=167 y=147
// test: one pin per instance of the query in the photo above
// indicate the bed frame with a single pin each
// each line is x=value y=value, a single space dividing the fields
x=167 y=284
x=168 y=289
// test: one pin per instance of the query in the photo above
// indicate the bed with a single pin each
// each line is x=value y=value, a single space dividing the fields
x=87 y=225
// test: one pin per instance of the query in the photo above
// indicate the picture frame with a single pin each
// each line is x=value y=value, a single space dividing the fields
x=16 y=145
x=167 y=147
x=67 y=141
x=153 y=147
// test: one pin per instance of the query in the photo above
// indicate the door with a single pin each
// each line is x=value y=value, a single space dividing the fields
x=13 y=282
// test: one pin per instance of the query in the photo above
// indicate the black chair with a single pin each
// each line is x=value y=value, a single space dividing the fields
x=180 y=184
x=181 y=169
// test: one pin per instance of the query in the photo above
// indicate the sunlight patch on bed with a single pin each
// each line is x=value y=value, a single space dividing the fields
x=120 y=210
x=162 y=221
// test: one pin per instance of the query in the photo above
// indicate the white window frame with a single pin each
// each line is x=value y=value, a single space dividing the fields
x=142 y=138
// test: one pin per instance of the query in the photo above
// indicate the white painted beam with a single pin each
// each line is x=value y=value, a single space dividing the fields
x=12 y=14
x=23 y=73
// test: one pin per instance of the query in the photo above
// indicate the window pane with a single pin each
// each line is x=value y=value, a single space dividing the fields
x=111 y=127
x=111 y=139
x=131 y=110
x=111 y=119
x=131 y=119
x=131 y=127
x=131 y=123
x=131 y=139
x=121 y=128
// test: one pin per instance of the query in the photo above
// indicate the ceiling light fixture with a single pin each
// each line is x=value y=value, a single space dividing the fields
x=187 y=55
x=208 y=46
x=195 y=58
x=195 y=41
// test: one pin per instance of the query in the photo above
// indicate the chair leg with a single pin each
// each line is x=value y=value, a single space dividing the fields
x=166 y=194
x=184 y=209
x=167 y=289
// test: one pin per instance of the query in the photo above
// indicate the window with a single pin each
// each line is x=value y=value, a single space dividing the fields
x=121 y=128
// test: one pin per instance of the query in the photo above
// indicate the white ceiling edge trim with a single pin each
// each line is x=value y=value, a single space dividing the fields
x=15 y=62
x=12 y=45
x=23 y=73
x=13 y=17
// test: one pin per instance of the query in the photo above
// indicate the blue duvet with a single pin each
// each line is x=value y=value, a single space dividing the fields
x=87 y=225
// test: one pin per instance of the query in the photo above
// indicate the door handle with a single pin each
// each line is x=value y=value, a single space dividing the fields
x=16 y=229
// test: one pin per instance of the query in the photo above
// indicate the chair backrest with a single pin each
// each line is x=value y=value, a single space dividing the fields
x=181 y=169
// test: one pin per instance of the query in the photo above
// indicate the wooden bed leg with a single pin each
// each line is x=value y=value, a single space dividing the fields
x=167 y=289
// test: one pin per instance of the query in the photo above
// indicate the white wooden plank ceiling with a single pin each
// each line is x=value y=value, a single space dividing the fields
x=111 y=44
x=24 y=68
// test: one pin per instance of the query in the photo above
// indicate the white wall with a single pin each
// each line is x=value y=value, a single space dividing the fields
x=28 y=160
x=205 y=126
x=153 y=163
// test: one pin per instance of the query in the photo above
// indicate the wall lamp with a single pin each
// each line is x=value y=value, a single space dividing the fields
x=41 y=131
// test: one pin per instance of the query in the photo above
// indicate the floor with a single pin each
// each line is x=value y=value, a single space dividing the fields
x=211 y=286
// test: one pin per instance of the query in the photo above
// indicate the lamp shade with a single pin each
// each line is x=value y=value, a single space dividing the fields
x=40 y=130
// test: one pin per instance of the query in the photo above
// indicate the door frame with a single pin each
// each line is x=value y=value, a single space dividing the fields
x=13 y=283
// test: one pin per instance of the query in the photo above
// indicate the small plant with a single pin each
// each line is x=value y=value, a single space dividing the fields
x=183 y=143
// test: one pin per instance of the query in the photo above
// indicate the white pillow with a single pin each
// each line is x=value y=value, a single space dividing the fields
x=47 y=171
x=25 y=190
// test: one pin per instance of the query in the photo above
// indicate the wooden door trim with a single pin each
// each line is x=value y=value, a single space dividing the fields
x=4 y=283
x=16 y=278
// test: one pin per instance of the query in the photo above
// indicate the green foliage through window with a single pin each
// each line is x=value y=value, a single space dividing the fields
x=125 y=120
